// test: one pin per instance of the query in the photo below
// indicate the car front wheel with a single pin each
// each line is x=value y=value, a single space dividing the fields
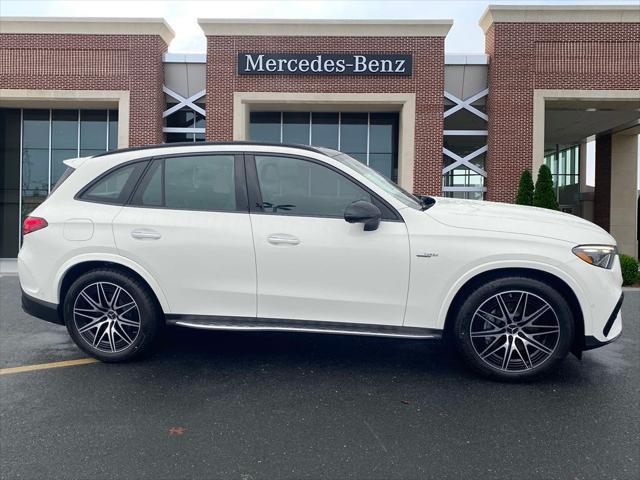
x=111 y=315
x=514 y=328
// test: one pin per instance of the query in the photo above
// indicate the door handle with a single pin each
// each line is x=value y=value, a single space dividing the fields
x=145 y=234
x=283 y=239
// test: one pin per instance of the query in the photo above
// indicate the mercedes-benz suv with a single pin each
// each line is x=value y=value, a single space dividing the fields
x=247 y=236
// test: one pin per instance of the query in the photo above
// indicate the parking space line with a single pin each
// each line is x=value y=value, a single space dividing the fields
x=45 y=366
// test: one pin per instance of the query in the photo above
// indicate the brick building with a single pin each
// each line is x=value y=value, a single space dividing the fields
x=551 y=79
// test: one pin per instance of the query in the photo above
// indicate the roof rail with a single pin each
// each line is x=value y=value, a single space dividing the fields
x=197 y=144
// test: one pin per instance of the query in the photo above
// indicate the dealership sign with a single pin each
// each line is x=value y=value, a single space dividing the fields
x=323 y=64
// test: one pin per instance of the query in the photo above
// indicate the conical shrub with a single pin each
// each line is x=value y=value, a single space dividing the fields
x=544 y=195
x=525 y=189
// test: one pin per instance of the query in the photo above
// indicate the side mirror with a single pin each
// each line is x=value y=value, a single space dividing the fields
x=363 y=212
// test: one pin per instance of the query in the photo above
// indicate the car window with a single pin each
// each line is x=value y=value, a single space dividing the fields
x=114 y=187
x=292 y=186
x=380 y=180
x=198 y=182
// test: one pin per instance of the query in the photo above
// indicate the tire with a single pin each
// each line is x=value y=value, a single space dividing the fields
x=513 y=347
x=118 y=309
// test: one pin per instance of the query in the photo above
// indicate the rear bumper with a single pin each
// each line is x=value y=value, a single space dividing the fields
x=40 y=309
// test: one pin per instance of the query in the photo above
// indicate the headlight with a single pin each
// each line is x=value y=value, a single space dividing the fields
x=597 y=255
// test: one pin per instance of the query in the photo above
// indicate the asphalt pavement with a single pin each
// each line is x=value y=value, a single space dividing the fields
x=251 y=406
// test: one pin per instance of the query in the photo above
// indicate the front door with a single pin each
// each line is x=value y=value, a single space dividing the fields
x=188 y=225
x=312 y=264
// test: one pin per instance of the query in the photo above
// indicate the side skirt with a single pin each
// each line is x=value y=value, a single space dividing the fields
x=277 y=325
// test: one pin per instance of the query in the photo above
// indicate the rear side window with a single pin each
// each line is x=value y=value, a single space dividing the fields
x=115 y=187
x=198 y=182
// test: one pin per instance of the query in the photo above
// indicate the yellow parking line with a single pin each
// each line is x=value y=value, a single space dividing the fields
x=45 y=366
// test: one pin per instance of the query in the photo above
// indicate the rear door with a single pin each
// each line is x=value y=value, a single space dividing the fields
x=188 y=225
x=313 y=265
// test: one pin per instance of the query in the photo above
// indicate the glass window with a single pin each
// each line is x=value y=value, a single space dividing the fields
x=564 y=165
x=378 y=179
x=353 y=135
x=371 y=138
x=324 y=129
x=48 y=138
x=93 y=132
x=265 y=126
x=463 y=119
x=186 y=119
x=9 y=181
x=114 y=187
x=200 y=182
x=295 y=127
x=64 y=140
x=463 y=145
x=465 y=195
x=183 y=118
x=35 y=159
x=113 y=129
x=150 y=192
x=383 y=143
x=292 y=186
x=36 y=129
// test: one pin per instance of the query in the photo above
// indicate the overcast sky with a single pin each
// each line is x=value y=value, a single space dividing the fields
x=464 y=37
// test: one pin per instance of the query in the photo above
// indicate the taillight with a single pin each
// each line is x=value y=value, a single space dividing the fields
x=31 y=224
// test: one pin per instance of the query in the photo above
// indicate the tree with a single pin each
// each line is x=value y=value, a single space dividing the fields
x=544 y=195
x=525 y=189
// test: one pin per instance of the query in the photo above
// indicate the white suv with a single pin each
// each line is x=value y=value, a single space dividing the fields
x=246 y=236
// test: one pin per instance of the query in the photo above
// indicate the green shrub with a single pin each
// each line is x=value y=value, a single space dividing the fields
x=525 y=189
x=629 y=266
x=544 y=195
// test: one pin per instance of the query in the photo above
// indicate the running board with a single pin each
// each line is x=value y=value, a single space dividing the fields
x=276 y=325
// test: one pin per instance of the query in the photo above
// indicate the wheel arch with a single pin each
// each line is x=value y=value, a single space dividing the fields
x=73 y=269
x=560 y=284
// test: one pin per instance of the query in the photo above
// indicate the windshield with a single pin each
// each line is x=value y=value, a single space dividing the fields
x=380 y=180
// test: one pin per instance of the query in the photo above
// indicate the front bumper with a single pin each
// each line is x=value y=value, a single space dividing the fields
x=591 y=342
x=41 y=309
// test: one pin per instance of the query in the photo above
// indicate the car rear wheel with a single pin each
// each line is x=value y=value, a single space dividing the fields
x=514 y=328
x=111 y=315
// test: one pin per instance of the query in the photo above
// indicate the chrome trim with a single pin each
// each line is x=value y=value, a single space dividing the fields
x=333 y=328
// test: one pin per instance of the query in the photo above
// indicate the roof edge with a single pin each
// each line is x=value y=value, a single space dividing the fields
x=325 y=27
x=88 y=26
x=558 y=14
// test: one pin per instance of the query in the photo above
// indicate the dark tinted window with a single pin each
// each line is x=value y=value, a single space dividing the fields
x=291 y=186
x=64 y=140
x=265 y=126
x=295 y=127
x=199 y=182
x=115 y=186
x=324 y=129
x=93 y=132
x=353 y=135
x=150 y=192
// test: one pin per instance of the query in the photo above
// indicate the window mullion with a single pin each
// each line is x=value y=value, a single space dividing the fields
x=78 y=154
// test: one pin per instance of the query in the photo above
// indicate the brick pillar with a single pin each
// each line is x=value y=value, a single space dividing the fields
x=602 y=193
x=510 y=109
x=623 y=217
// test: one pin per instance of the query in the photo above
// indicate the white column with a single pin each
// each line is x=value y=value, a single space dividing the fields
x=624 y=192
